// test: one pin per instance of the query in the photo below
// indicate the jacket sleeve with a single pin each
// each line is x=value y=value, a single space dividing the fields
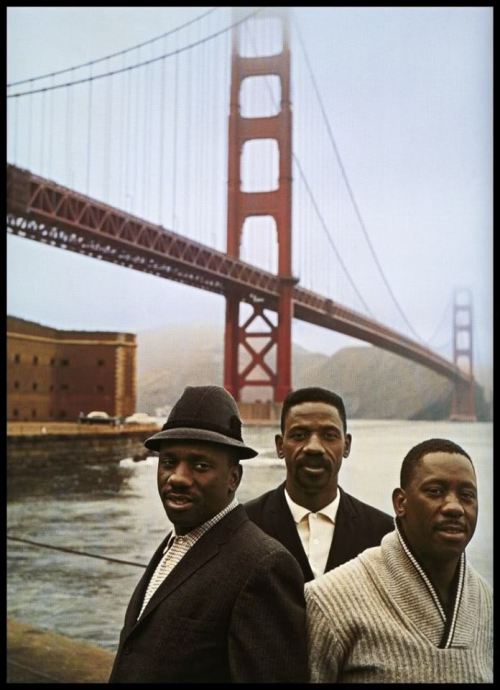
x=324 y=651
x=267 y=635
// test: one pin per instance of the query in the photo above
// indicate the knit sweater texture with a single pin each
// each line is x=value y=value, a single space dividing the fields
x=377 y=619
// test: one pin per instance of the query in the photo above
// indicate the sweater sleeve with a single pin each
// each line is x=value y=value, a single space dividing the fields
x=324 y=651
x=267 y=637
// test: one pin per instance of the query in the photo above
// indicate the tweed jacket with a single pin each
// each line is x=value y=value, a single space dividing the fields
x=232 y=610
x=358 y=526
x=378 y=619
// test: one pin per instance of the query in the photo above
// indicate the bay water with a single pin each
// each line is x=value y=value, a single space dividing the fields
x=113 y=510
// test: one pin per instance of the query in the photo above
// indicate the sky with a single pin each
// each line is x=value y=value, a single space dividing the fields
x=408 y=97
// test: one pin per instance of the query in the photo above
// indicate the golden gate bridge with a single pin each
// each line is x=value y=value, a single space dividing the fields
x=158 y=152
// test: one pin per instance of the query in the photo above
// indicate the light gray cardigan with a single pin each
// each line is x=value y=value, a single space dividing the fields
x=377 y=619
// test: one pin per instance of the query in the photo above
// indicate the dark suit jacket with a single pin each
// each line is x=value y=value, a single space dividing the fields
x=357 y=527
x=231 y=610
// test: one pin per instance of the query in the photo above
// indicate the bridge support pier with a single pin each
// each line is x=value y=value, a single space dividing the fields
x=240 y=339
x=463 y=405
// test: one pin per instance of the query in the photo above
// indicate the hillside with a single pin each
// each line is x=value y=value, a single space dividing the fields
x=375 y=384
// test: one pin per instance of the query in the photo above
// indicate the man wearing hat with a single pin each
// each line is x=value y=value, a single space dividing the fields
x=220 y=601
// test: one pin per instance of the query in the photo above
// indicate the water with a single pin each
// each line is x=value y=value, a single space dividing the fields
x=113 y=510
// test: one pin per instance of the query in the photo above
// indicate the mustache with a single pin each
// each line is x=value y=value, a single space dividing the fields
x=444 y=524
x=175 y=493
x=316 y=459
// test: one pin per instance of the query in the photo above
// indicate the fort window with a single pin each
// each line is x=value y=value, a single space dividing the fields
x=64 y=386
x=64 y=362
x=35 y=360
x=100 y=362
x=100 y=389
x=52 y=361
x=16 y=384
x=17 y=359
x=35 y=385
x=15 y=413
x=33 y=413
x=51 y=386
x=62 y=413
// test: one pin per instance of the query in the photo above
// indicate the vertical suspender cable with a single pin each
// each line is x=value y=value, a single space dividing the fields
x=204 y=107
x=119 y=137
x=68 y=137
x=30 y=120
x=190 y=149
x=135 y=136
x=187 y=121
x=127 y=144
x=175 y=133
x=16 y=128
x=150 y=81
x=42 y=134
x=209 y=137
x=144 y=140
x=51 y=128
x=162 y=137
x=197 y=138
x=89 y=132
x=107 y=140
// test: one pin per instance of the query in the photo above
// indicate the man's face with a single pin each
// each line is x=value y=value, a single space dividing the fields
x=313 y=445
x=196 y=480
x=438 y=510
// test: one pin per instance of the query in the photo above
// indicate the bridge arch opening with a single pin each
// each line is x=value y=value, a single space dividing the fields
x=259 y=245
x=259 y=165
x=464 y=364
x=260 y=96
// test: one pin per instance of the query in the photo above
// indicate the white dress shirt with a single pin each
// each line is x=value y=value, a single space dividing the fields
x=315 y=531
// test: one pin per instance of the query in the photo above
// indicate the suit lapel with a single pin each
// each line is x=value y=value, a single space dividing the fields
x=138 y=595
x=206 y=548
x=344 y=543
x=284 y=529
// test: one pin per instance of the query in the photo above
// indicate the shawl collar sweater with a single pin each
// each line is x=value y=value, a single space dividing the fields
x=377 y=619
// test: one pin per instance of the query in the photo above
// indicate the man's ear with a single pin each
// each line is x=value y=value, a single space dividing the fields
x=399 y=502
x=347 y=445
x=235 y=475
x=278 y=440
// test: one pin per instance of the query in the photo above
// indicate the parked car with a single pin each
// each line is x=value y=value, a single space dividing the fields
x=140 y=418
x=98 y=417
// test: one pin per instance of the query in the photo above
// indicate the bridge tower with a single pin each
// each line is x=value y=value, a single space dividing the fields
x=241 y=338
x=463 y=405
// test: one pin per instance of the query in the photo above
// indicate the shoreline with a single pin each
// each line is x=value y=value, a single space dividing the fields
x=41 y=656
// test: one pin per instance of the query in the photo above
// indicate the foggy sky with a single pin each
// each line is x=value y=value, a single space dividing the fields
x=408 y=92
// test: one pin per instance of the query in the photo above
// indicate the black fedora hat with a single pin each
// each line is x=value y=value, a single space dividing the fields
x=204 y=413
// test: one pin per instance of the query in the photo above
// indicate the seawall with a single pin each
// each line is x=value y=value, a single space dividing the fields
x=40 y=656
x=41 y=444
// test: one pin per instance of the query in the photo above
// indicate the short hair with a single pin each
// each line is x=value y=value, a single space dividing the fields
x=431 y=445
x=313 y=394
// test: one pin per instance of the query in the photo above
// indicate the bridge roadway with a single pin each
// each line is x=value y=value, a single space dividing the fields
x=42 y=210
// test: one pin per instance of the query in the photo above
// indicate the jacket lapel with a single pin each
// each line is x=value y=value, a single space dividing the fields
x=284 y=529
x=140 y=590
x=206 y=548
x=344 y=542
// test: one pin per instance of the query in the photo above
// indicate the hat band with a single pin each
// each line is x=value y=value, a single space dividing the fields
x=197 y=424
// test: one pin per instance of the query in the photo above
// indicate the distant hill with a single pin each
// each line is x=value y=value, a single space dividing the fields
x=375 y=384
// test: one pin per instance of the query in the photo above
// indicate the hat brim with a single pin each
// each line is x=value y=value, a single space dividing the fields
x=188 y=434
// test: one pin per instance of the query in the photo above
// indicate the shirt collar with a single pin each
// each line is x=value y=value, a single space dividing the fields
x=196 y=532
x=299 y=512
